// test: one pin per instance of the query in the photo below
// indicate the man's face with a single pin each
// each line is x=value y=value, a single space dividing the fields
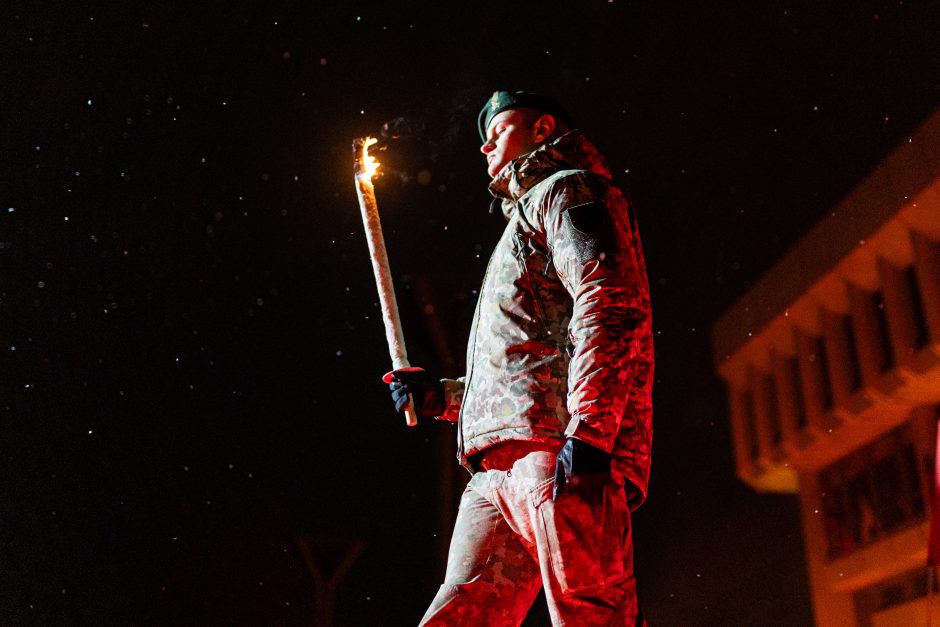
x=511 y=133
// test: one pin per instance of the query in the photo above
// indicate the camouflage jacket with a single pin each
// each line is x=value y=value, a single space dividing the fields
x=561 y=343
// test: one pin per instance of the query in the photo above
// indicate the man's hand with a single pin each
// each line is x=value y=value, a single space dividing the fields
x=426 y=390
x=580 y=468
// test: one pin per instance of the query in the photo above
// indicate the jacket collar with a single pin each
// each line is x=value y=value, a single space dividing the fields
x=571 y=151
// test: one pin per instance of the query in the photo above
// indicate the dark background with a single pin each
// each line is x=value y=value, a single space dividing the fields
x=190 y=346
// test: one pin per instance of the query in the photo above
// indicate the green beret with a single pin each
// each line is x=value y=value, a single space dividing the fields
x=502 y=100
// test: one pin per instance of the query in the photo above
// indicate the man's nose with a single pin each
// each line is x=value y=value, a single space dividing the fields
x=487 y=148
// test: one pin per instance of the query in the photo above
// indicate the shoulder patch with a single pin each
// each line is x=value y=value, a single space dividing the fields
x=589 y=218
x=589 y=231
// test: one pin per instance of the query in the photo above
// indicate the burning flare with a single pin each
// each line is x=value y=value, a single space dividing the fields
x=365 y=167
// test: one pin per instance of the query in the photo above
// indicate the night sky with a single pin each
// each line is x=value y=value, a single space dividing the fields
x=190 y=345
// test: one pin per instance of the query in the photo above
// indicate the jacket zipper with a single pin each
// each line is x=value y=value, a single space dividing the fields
x=461 y=457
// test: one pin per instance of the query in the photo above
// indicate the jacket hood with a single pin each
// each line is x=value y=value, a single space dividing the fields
x=571 y=151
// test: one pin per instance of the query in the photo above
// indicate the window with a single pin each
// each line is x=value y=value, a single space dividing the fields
x=825 y=383
x=891 y=592
x=750 y=426
x=921 y=335
x=874 y=492
x=773 y=408
x=855 y=371
x=799 y=402
x=884 y=335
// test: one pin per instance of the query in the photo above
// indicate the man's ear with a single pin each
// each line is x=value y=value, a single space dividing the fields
x=544 y=127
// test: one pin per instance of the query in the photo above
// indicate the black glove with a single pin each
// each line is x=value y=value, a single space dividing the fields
x=426 y=390
x=580 y=468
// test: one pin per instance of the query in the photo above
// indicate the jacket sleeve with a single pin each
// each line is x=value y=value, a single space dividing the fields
x=596 y=251
x=453 y=399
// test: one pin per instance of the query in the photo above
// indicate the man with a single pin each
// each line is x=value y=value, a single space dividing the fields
x=554 y=413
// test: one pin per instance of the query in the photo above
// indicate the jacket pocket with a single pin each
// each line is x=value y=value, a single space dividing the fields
x=520 y=249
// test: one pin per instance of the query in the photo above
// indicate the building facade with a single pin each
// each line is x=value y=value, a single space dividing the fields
x=832 y=365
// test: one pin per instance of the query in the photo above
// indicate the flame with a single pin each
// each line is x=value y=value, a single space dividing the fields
x=369 y=165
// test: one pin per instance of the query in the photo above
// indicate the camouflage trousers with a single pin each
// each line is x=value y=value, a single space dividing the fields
x=510 y=539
